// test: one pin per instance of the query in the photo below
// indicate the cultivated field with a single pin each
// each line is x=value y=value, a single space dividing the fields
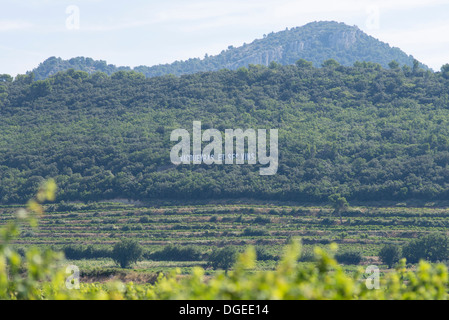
x=205 y=227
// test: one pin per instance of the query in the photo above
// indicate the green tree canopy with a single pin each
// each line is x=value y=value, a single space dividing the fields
x=127 y=252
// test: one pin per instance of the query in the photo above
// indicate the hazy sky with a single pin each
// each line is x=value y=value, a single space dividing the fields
x=138 y=32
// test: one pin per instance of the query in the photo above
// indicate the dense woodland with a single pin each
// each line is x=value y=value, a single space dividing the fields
x=366 y=132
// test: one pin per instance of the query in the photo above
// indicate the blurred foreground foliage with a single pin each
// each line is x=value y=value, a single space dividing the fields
x=39 y=275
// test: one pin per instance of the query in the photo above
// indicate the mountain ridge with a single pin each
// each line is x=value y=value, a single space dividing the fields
x=315 y=42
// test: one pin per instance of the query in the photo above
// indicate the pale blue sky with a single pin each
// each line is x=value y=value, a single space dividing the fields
x=137 y=32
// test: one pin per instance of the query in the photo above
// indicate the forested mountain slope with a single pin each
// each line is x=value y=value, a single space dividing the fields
x=367 y=132
x=315 y=42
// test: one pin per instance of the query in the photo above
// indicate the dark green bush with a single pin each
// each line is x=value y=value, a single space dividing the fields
x=176 y=253
x=76 y=252
x=251 y=232
x=432 y=247
x=223 y=258
x=390 y=254
x=307 y=255
x=127 y=252
x=144 y=219
x=262 y=254
x=349 y=257
x=262 y=220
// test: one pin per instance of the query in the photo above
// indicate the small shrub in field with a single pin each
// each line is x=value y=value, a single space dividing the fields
x=251 y=232
x=262 y=220
x=343 y=235
x=390 y=254
x=223 y=258
x=307 y=255
x=327 y=221
x=176 y=253
x=349 y=257
x=262 y=254
x=144 y=219
x=137 y=227
x=433 y=247
x=76 y=252
x=127 y=252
